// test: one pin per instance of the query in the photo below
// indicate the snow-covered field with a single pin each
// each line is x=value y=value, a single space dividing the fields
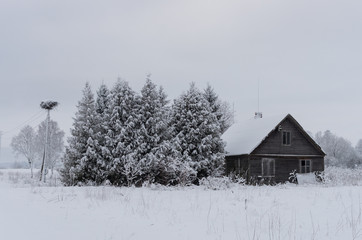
x=31 y=211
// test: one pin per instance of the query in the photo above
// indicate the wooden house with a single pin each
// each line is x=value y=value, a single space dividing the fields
x=269 y=149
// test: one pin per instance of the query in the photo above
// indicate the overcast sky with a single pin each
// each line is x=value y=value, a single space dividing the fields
x=307 y=55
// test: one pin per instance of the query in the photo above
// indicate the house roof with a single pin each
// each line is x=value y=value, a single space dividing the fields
x=245 y=136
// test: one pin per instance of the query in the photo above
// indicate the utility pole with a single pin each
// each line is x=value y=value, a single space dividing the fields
x=49 y=105
x=46 y=148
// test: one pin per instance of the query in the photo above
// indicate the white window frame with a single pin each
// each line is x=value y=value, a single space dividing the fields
x=303 y=169
x=269 y=160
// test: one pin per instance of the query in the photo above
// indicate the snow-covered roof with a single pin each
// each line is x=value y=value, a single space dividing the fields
x=244 y=136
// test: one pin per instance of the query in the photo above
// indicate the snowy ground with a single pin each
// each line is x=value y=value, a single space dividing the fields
x=30 y=211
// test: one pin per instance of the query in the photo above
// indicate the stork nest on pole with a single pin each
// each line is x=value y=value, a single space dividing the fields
x=48 y=105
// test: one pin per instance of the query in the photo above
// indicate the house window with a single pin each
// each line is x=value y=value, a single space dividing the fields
x=286 y=138
x=268 y=167
x=305 y=166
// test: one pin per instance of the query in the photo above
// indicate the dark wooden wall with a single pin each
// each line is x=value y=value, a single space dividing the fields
x=237 y=164
x=250 y=166
x=299 y=144
x=284 y=166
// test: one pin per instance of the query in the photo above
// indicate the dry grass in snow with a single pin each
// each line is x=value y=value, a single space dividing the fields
x=31 y=211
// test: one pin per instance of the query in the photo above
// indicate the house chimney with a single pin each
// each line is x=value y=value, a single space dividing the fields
x=258 y=115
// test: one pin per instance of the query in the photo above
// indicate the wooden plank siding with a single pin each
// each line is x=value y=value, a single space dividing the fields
x=299 y=144
x=283 y=166
x=238 y=165
x=252 y=165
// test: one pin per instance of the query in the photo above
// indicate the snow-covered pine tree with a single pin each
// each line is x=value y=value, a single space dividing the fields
x=97 y=145
x=169 y=167
x=77 y=166
x=121 y=138
x=222 y=110
x=102 y=99
x=197 y=131
x=162 y=97
x=163 y=117
x=147 y=133
x=148 y=110
x=153 y=122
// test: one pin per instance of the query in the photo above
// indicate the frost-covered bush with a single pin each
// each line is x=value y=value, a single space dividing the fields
x=343 y=176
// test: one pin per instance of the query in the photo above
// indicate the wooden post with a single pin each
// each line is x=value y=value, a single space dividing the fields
x=45 y=155
x=49 y=105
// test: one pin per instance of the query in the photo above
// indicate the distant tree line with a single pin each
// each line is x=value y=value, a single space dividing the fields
x=125 y=138
x=340 y=152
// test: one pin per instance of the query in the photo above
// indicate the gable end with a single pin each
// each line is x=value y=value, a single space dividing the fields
x=301 y=142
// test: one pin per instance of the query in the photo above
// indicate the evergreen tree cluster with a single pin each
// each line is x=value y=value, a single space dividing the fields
x=123 y=138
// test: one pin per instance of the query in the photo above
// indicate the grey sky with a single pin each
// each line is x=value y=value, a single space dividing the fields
x=307 y=55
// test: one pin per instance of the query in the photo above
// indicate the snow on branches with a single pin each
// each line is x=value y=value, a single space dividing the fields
x=125 y=138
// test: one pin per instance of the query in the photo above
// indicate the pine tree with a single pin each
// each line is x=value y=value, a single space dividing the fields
x=121 y=124
x=197 y=131
x=163 y=116
x=102 y=99
x=169 y=167
x=222 y=110
x=97 y=146
x=77 y=166
x=149 y=108
x=153 y=121
x=162 y=97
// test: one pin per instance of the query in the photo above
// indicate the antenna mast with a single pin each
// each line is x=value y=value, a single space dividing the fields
x=1 y=134
x=258 y=93
x=258 y=114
